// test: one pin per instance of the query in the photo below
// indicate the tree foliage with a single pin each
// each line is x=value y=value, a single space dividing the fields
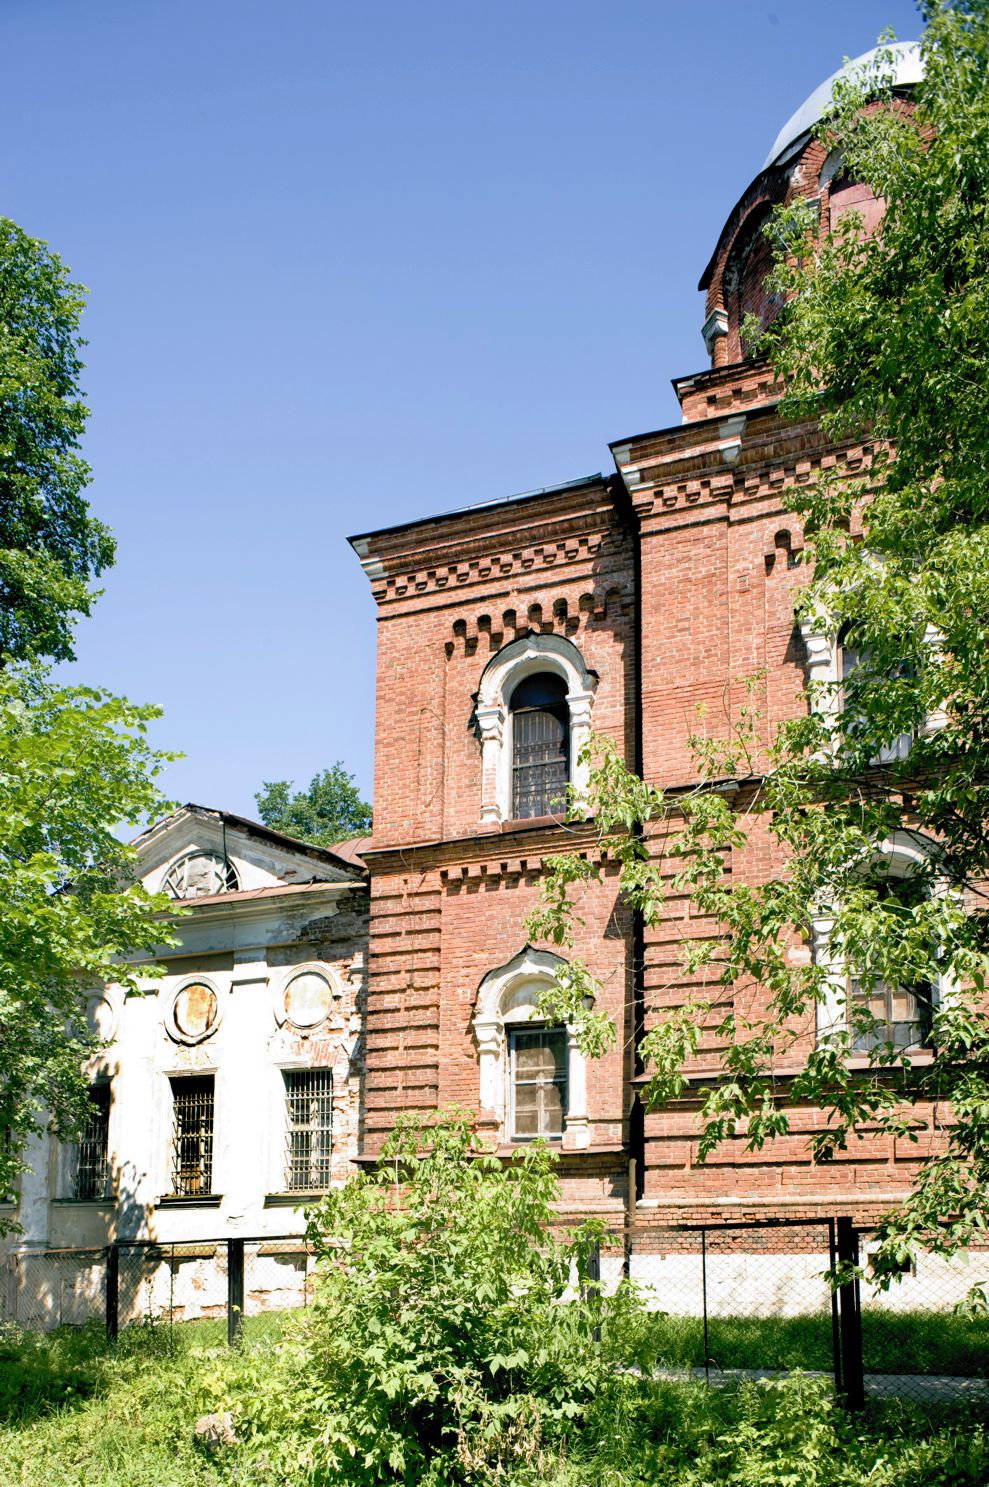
x=50 y=545
x=885 y=337
x=331 y=810
x=454 y=1334
x=74 y=764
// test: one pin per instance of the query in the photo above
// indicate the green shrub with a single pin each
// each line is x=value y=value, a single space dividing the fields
x=453 y=1333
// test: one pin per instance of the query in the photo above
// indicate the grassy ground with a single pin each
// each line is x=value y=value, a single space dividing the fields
x=75 y=1413
x=917 y=1342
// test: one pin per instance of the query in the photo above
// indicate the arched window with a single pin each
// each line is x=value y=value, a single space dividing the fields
x=533 y=717
x=899 y=1014
x=540 y=745
x=533 y=1076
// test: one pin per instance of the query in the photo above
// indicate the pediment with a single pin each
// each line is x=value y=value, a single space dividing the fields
x=197 y=851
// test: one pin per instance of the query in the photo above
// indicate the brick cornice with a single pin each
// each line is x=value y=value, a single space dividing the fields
x=557 y=528
x=495 y=854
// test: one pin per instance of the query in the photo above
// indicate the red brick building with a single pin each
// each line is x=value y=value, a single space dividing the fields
x=505 y=632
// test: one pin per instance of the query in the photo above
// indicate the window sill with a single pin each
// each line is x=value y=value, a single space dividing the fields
x=110 y=1202
x=295 y=1200
x=199 y=1200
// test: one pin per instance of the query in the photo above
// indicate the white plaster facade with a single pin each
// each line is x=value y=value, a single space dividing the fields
x=297 y=919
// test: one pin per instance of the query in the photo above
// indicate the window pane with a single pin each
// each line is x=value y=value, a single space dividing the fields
x=540 y=748
x=539 y=1082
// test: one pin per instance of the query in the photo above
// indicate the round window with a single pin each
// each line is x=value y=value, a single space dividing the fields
x=308 y=997
x=195 y=1010
x=198 y=874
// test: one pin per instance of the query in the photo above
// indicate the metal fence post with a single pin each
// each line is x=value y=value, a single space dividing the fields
x=594 y=1286
x=852 y=1365
x=235 y=1288
x=707 y=1351
x=112 y=1291
x=835 y=1321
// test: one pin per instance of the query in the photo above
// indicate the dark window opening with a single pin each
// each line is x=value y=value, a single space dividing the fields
x=192 y=1136
x=540 y=745
x=539 y=1082
x=92 y=1154
x=309 y=1120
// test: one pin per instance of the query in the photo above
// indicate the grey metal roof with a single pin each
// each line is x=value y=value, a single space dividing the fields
x=907 y=69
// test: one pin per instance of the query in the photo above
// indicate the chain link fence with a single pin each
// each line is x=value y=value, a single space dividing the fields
x=729 y=1302
x=724 y=1302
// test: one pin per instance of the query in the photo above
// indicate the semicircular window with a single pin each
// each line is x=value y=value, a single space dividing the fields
x=540 y=745
x=200 y=873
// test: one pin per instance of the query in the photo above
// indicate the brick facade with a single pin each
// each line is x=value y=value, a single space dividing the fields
x=673 y=579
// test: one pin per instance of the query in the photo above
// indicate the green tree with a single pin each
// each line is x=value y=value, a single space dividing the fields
x=74 y=763
x=50 y=545
x=329 y=811
x=889 y=335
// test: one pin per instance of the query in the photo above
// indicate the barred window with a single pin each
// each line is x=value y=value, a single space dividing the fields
x=540 y=745
x=92 y=1165
x=308 y=1128
x=192 y=1136
x=539 y=1082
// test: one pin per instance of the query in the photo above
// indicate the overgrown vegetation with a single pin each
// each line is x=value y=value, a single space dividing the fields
x=74 y=1411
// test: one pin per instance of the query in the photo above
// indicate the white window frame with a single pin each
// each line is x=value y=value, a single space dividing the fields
x=526 y=657
x=824 y=677
x=508 y=997
x=904 y=854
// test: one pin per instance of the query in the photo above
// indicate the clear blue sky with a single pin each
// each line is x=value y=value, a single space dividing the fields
x=351 y=263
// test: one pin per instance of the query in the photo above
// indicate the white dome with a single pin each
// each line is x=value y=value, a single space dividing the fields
x=907 y=69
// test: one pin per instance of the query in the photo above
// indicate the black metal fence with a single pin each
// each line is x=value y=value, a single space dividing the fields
x=235 y=1283
x=724 y=1302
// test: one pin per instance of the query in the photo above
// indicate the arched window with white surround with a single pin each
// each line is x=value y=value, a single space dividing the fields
x=900 y=1014
x=833 y=657
x=533 y=714
x=533 y=1077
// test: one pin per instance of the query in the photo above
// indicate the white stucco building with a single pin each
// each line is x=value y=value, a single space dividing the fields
x=229 y=1093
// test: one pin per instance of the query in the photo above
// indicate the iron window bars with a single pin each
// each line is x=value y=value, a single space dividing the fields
x=192 y=1136
x=92 y=1165
x=308 y=1128
x=540 y=745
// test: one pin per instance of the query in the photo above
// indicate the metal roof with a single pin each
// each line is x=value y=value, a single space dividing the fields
x=907 y=70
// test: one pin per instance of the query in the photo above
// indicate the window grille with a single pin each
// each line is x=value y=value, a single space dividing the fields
x=92 y=1152
x=200 y=873
x=539 y=1082
x=192 y=1136
x=308 y=1135
x=540 y=745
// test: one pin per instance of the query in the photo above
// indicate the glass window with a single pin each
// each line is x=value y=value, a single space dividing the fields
x=309 y=1122
x=192 y=1136
x=540 y=745
x=92 y=1166
x=539 y=1082
x=902 y=1013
